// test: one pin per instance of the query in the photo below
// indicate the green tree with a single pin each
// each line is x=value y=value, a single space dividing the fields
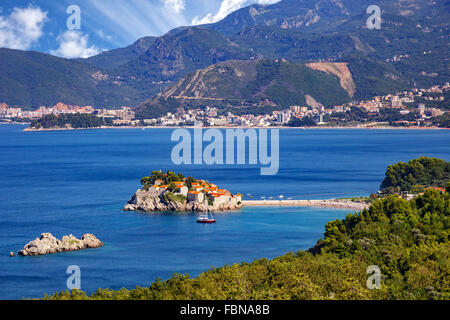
x=428 y=172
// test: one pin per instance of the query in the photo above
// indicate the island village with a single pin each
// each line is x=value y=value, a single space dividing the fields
x=173 y=192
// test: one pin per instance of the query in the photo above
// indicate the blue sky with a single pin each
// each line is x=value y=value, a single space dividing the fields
x=41 y=25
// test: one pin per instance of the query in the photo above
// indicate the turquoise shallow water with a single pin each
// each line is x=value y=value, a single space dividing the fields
x=78 y=181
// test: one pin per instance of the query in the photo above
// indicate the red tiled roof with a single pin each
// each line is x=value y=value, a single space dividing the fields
x=436 y=188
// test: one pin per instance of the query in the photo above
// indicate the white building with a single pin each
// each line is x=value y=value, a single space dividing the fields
x=195 y=196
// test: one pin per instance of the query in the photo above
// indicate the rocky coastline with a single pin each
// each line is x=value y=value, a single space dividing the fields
x=48 y=244
x=145 y=201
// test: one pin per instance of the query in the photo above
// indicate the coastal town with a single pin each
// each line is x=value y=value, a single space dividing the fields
x=414 y=108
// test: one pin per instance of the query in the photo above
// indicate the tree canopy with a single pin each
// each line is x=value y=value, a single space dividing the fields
x=424 y=171
x=76 y=121
x=166 y=177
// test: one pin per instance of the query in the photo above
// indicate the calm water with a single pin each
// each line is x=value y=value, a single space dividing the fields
x=77 y=182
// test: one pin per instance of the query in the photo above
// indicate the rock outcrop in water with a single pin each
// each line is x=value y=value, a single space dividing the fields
x=47 y=244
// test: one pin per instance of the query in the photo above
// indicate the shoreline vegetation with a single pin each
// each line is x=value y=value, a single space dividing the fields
x=408 y=240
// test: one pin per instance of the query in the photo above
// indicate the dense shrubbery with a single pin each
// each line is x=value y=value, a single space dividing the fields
x=76 y=121
x=170 y=197
x=166 y=177
x=424 y=171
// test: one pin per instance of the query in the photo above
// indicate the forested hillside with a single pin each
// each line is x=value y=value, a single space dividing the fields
x=276 y=83
x=416 y=174
x=33 y=79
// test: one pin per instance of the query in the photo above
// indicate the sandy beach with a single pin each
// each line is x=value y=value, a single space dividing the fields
x=341 y=204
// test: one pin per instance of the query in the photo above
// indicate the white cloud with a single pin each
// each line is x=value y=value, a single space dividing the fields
x=175 y=5
x=133 y=19
x=22 y=28
x=74 y=44
x=227 y=7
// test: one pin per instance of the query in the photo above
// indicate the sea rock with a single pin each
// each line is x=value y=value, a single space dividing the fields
x=91 y=241
x=47 y=244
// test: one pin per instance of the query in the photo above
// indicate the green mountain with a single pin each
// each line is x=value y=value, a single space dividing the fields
x=254 y=85
x=296 y=30
x=27 y=76
x=176 y=54
x=339 y=35
x=398 y=36
x=251 y=83
x=374 y=78
x=117 y=57
x=35 y=79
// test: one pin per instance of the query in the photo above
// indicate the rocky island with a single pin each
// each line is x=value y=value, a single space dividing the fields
x=173 y=192
x=47 y=244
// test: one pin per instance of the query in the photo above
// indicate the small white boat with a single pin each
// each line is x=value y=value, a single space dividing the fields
x=206 y=217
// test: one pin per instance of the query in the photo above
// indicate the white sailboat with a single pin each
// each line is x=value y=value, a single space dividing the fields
x=205 y=218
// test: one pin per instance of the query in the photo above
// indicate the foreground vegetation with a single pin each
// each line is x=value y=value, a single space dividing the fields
x=408 y=240
x=416 y=175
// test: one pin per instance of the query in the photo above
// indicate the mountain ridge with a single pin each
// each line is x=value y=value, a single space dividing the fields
x=120 y=56
x=130 y=75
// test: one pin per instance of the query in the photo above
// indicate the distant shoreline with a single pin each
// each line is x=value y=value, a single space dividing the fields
x=28 y=129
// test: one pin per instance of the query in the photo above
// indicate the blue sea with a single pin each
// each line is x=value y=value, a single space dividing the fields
x=75 y=182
